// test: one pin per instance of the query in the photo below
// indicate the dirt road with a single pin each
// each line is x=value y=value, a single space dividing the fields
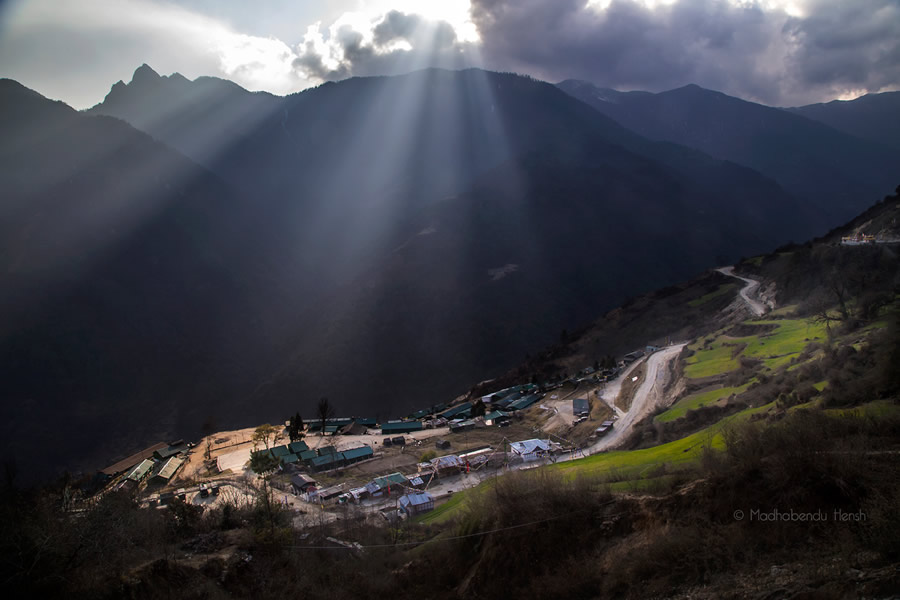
x=748 y=292
x=646 y=398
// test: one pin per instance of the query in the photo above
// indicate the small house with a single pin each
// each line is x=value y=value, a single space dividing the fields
x=167 y=471
x=301 y=483
x=529 y=450
x=581 y=406
x=416 y=504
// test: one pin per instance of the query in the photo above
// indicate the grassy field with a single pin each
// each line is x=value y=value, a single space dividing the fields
x=876 y=409
x=790 y=337
x=624 y=470
x=444 y=511
x=774 y=348
x=714 y=361
x=725 y=288
x=694 y=401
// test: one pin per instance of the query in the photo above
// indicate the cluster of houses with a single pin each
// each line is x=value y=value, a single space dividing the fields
x=156 y=464
x=411 y=490
x=321 y=459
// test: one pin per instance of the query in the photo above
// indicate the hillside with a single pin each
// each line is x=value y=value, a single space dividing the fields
x=116 y=254
x=306 y=243
x=769 y=469
x=871 y=117
x=807 y=158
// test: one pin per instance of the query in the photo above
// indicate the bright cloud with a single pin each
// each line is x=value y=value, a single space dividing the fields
x=775 y=51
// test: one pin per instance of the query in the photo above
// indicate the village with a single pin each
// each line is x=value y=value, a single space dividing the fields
x=401 y=468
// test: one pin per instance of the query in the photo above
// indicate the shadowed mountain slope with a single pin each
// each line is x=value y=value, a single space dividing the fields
x=871 y=117
x=382 y=241
x=828 y=168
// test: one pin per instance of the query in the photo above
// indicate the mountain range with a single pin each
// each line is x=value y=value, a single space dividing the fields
x=189 y=249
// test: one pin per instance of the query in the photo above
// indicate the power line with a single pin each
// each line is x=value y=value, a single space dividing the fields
x=451 y=538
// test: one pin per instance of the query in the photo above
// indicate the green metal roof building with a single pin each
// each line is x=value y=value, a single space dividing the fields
x=307 y=455
x=327 y=461
x=358 y=454
x=298 y=447
x=402 y=427
x=140 y=471
x=168 y=470
x=280 y=451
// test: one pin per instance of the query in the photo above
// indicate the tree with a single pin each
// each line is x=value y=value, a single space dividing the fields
x=208 y=429
x=478 y=408
x=263 y=434
x=324 y=411
x=295 y=430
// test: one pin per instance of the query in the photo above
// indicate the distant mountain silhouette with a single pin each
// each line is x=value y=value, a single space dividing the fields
x=837 y=172
x=383 y=241
x=873 y=116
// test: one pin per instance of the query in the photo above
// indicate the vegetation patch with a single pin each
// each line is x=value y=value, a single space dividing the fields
x=694 y=401
x=723 y=289
x=715 y=360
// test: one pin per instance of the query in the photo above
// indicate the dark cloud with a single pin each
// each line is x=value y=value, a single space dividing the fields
x=415 y=30
x=740 y=48
x=846 y=44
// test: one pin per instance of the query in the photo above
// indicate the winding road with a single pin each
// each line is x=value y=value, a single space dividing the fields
x=646 y=398
x=751 y=287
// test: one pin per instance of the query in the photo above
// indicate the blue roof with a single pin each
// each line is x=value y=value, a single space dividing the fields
x=290 y=458
x=416 y=499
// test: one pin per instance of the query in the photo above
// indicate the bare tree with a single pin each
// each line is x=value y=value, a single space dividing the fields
x=208 y=429
x=324 y=411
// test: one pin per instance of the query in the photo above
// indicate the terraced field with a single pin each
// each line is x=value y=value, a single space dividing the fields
x=775 y=347
x=695 y=401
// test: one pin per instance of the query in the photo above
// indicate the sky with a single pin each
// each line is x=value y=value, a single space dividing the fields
x=778 y=52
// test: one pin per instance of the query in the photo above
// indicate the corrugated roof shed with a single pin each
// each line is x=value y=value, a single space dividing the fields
x=279 y=451
x=326 y=450
x=327 y=461
x=358 y=453
x=307 y=455
x=127 y=463
x=580 y=406
x=496 y=414
x=523 y=403
x=446 y=462
x=169 y=468
x=298 y=447
x=164 y=453
x=141 y=470
x=530 y=446
x=416 y=503
x=455 y=410
x=290 y=458
x=402 y=427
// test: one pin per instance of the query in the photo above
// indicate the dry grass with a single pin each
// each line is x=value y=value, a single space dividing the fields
x=630 y=386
